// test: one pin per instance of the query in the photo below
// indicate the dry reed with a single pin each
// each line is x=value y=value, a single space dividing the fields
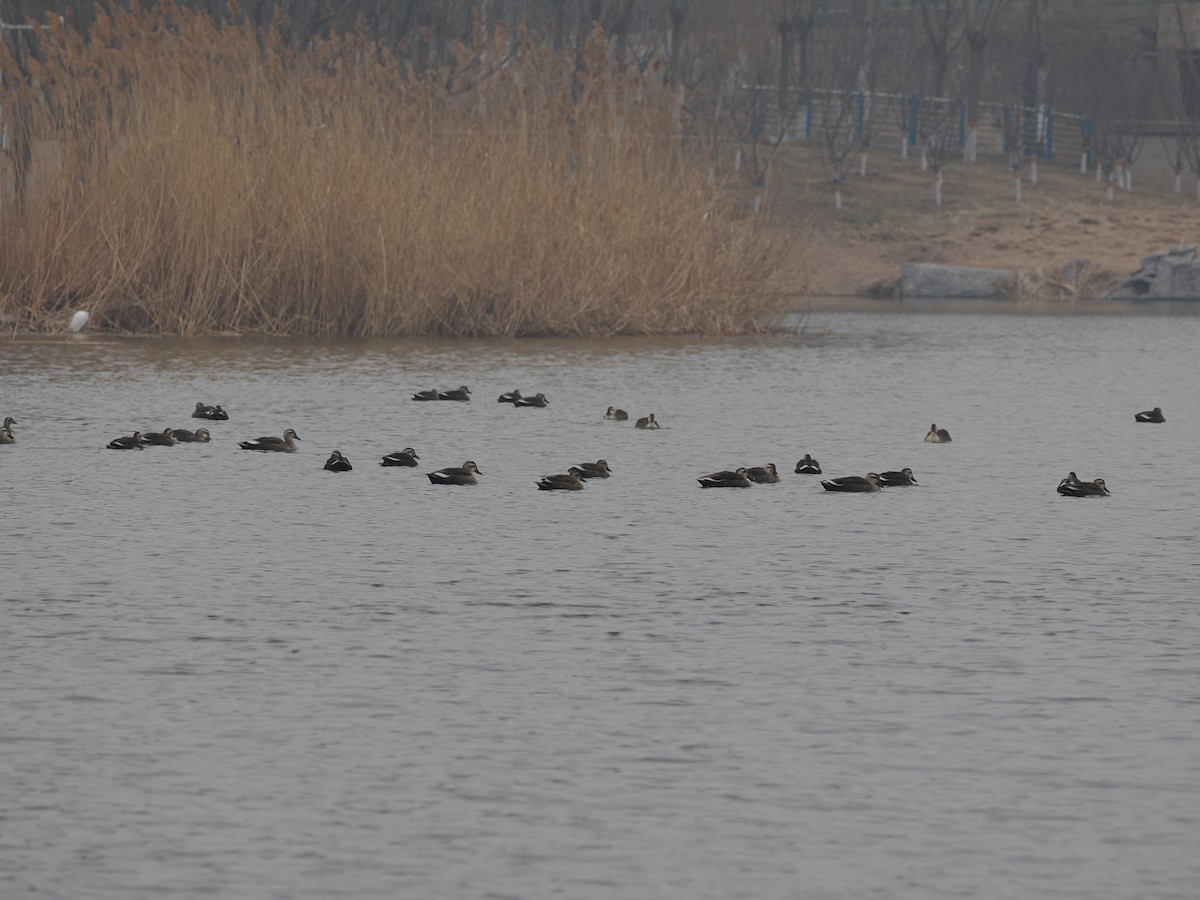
x=192 y=178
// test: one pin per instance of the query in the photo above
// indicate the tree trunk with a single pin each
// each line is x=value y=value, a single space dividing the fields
x=804 y=29
x=976 y=44
x=676 y=14
x=621 y=31
x=787 y=43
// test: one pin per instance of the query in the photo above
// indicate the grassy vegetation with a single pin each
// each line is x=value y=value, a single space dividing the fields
x=192 y=179
x=889 y=218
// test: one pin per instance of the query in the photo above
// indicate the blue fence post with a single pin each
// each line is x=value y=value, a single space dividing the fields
x=1007 y=129
x=962 y=124
x=1087 y=139
x=913 y=111
x=1049 y=135
x=862 y=112
x=808 y=118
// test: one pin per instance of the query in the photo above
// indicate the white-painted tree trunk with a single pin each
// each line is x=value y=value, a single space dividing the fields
x=1178 y=183
x=757 y=203
x=1033 y=172
x=862 y=171
x=1129 y=178
x=904 y=146
x=1121 y=175
x=837 y=198
x=971 y=145
x=1099 y=172
x=1018 y=191
x=937 y=190
x=737 y=161
x=924 y=158
x=1083 y=166
x=1111 y=182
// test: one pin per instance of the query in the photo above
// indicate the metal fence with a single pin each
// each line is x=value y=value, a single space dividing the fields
x=885 y=119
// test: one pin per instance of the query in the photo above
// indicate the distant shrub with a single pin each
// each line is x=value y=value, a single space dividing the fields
x=191 y=176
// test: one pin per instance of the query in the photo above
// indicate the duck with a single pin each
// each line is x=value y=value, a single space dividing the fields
x=164 y=438
x=808 y=466
x=201 y=411
x=426 y=395
x=133 y=442
x=739 y=478
x=937 y=435
x=857 y=484
x=767 y=474
x=1067 y=485
x=465 y=474
x=273 y=444
x=9 y=422
x=337 y=463
x=199 y=436
x=598 y=469
x=216 y=414
x=1150 y=415
x=647 y=422
x=461 y=394
x=1095 y=488
x=565 y=482
x=616 y=415
x=406 y=457
x=6 y=435
x=903 y=478
x=511 y=397
x=538 y=400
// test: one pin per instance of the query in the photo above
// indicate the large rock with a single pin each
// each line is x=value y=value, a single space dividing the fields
x=924 y=281
x=1172 y=274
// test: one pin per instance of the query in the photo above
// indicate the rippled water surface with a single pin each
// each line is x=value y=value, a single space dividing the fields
x=235 y=675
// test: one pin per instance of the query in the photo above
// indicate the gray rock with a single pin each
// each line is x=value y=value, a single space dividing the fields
x=1172 y=274
x=925 y=281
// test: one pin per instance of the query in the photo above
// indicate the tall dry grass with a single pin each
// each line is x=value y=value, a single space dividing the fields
x=194 y=178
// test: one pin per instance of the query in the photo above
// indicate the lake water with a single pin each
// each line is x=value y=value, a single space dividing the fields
x=234 y=675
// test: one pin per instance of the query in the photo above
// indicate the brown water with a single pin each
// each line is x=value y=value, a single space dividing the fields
x=236 y=675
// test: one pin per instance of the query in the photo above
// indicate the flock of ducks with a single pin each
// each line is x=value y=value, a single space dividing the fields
x=576 y=476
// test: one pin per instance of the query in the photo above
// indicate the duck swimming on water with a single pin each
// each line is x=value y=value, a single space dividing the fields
x=937 y=435
x=1095 y=488
x=566 y=482
x=854 y=484
x=808 y=466
x=739 y=478
x=598 y=469
x=1150 y=415
x=337 y=463
x=464 y=474
x=767 y=474
x=184 y=436
x=406 y=457
x=270 y=444
x=133 y=442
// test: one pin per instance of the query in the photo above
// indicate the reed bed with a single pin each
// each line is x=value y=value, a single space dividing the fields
x=193 y=177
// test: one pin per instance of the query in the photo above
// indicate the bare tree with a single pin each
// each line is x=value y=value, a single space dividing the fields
x=942 y=35
x=979 y=16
